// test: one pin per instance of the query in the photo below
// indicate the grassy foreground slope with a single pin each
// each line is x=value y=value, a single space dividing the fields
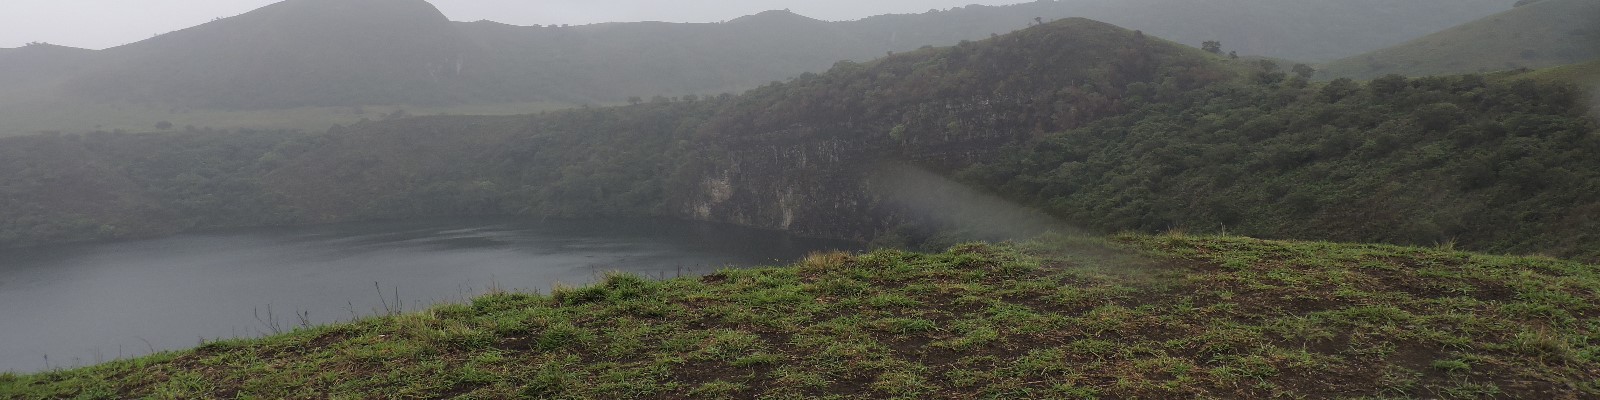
x=1127 y=317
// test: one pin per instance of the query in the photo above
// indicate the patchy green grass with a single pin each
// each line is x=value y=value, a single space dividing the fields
x=1126 y=317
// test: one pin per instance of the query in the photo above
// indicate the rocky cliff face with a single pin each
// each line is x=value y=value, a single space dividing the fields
x=820 y=156
x=825 y=182
x=792 y=180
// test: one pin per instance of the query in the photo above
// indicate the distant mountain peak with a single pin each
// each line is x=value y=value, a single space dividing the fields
x=345 y=4
x=414 y=10
x=772 y=16
x=290 y=53
x=43 y=52
x=41 y=46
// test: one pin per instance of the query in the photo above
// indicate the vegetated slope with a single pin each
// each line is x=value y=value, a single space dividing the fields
x=59 y=189
x=1103 y=127
x=1487 y=164
x=1583 y=74
x=1128 y=317
x=75 y=187
x=370 y=52
x=1296 y=30
x=1542 y=34
x=806 y=156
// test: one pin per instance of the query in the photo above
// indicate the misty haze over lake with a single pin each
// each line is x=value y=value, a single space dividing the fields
x=82 y=304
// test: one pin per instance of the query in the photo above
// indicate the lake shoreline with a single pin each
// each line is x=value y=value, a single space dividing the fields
x=110 y=297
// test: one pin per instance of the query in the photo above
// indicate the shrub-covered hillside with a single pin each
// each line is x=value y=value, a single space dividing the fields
x=1486 y=164
x=1102 y=127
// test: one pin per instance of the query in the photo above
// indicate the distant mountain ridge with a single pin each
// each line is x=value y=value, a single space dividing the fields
x=37 y=66
x=377 y=52
x=1295 y=30
x=801 y=148
x=1104 y=128
x=292 y=53
x=1539 y=34
x=775 y=16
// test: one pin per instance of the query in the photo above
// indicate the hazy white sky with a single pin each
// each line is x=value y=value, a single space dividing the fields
x=97 y=24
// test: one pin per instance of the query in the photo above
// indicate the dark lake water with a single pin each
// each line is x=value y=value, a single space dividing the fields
x=84 y=304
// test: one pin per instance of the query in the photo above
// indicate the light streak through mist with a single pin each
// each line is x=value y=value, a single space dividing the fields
x=947 y=202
